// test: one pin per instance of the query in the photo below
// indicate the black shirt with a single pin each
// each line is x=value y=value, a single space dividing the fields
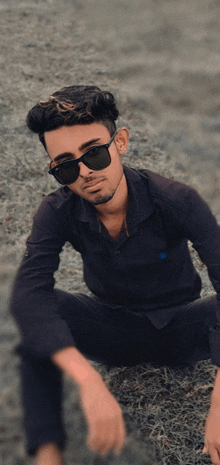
x=148 y=269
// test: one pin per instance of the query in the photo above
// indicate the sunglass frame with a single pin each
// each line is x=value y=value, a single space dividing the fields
x=78 y=160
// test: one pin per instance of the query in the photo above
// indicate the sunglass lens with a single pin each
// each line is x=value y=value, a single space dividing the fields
x=67 y=172
x=97 y=158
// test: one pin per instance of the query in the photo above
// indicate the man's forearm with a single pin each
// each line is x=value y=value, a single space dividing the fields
x=215 y=402
x=74 y=364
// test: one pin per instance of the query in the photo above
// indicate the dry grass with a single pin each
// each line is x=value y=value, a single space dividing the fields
x=167 y=407
x=163 y=65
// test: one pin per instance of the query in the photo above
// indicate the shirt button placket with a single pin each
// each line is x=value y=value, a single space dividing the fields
x=119 y=259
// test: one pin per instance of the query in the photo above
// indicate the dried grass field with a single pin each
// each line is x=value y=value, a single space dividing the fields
x=162 y=61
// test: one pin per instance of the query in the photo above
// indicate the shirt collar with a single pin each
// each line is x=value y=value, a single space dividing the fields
x=140 y=204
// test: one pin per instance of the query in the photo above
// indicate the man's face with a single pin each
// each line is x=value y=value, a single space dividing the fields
x=95 y=186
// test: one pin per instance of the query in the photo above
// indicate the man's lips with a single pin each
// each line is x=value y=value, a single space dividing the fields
x=93 y=184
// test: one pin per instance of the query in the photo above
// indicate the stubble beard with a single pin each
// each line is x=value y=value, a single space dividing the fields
x=102 y=199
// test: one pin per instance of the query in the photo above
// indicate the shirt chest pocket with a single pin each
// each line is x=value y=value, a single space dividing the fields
x=148 y=248
x=149 y=273
x=149 y=262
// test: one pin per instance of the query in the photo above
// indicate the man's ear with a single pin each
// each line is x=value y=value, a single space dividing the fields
x=121 y=140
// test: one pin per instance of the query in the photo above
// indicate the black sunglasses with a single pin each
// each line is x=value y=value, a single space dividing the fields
x=96 y=158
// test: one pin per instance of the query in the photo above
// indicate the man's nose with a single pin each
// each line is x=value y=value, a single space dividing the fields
x=84 y=171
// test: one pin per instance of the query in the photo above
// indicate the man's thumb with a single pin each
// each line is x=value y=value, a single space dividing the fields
x=205 y=450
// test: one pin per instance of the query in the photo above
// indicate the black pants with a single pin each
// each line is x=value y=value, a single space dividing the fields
x=116 y=337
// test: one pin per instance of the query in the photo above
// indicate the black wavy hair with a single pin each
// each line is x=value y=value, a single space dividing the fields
x=73 y=105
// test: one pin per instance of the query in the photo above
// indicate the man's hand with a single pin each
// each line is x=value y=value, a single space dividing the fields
x=212 y=435
x=104 y=418
x=102 y=411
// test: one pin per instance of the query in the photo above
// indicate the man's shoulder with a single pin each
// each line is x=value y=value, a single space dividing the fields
x=58 y=198
x=161 y=188
x=57 y=204
x=162 y=183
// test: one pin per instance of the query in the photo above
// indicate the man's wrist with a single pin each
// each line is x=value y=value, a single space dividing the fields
x=84 y=376
x=75 y=365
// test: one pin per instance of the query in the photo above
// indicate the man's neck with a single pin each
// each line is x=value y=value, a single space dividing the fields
x=117 y=206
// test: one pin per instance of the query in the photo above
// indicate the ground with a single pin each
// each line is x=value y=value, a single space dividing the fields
x=162 y=61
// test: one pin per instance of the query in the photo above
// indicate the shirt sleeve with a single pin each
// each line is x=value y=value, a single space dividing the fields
x=204 y=233
x=33 y=302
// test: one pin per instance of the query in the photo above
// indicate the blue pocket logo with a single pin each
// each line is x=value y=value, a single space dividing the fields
x=163 y=255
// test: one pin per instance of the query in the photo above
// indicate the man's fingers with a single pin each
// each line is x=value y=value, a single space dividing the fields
x=121 y=437
x=102 y=438
x=108 y=440
x=214 y=455
x=107 y=437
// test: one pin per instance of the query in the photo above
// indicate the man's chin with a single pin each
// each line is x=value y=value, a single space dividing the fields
x=102 y=199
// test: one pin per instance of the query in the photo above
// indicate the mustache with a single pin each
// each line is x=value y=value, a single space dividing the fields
x=92 y=180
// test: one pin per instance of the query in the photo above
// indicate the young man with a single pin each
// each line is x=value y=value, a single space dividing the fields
x=131 y=228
